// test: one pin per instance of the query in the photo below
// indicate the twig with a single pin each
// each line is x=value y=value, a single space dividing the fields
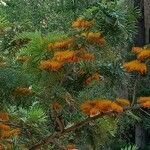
x=145 y=112
x=134 y=90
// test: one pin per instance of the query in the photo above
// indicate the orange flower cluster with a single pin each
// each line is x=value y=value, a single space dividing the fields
x=116 y=108
x=5 y=130
x=95 y=37
x=144 y=54
x=61 y=57
x=4 y=116
x=56 y=106
x=122 y=102
x=135 y=65
x=144 y=102
x=23 y=58
x=71 y=147
x=65 y=56
x=96 y=107
x=87 y=56
x=73 y=56
x=81 y=23
x=93 y=77
x=50 y=65
x=19 y=91
x=4 y=127
x=141 y=53
x=9 y=133
x=63 y=44
x=137 y=50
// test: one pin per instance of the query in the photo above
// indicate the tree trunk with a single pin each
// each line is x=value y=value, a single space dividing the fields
x=140 y=37
x=140 y=41
x=139 y=136
x=147 y=20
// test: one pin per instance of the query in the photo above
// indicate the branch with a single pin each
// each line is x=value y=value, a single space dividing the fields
x=145 y=112
x=57 y=135
x=134 y=89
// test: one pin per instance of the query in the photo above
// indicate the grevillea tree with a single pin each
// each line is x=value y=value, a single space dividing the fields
x=70 y=90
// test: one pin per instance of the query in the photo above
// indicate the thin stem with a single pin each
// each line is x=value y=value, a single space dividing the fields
x=145 y=112
x=135 y=86
x=134 y=90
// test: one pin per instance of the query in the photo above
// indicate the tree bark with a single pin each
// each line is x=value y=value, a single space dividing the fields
x=139 y=136
x=147 y=20
x=140 y=37
x=140 y=41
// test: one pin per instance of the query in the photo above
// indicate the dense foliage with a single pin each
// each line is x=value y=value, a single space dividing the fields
x=68 y=76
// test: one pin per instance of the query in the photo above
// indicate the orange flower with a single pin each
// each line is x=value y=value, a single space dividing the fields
x=96 y=107
x=81 y=23
x=116 y=108
x=137 y=50
x=4 y=127
x=143 y=99
x=85 y=108
x=22 y=58
x=104 y=105
x=4 y=116
x=101 y=42
x=145 y=104
x=88 y=105
x=135 y=65
x=56 y=106
x=63 y=44
x=10 y=133
x=15 y=132
x=71 y=147
x=65 y=56
x=145 y=54
x=50 y=65
x=83 y=54
x=77 y=24
x=123 y=102
x=22 y=91
x=94 y=112
x=92 y=35
x=93 y=77
x=87 y=56
x=95 y=37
